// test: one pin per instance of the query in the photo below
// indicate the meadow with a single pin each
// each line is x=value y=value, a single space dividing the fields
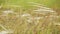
x=29 y=17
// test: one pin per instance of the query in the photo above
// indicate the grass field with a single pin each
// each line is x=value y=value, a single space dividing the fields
x=29 y=17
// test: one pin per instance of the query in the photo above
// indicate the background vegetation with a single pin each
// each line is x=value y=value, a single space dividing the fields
x=20 y=25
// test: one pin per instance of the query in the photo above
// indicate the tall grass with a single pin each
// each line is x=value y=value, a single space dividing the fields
x=26 y=21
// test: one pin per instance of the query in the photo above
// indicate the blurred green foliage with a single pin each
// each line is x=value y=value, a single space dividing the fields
x=48 y=3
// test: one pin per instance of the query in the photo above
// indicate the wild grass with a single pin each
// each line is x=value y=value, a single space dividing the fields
x=27 y=21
